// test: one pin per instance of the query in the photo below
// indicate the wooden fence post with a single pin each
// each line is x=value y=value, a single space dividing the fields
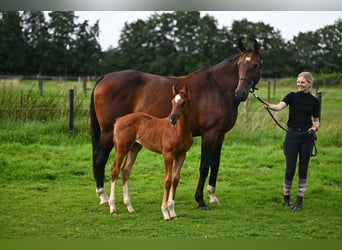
x=319 y=96
x=40 y=85
x=71 y=111
x=268 y=89
x=85 y=86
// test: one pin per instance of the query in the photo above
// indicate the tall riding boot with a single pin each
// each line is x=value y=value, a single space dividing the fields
x=287 y=202
x=298 y=205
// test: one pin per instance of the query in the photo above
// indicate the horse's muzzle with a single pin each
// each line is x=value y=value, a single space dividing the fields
x=241 y=95
x=173 y=119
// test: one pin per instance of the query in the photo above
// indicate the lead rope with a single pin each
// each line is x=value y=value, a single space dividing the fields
x=314 y=149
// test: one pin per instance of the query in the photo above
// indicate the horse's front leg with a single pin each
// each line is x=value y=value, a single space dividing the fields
x=210 y=156
x=215 y=164
x=168 y=161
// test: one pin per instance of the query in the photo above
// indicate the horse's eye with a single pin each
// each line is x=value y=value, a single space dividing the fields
x=183 y=104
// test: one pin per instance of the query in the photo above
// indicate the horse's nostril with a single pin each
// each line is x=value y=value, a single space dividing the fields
x=241 y=95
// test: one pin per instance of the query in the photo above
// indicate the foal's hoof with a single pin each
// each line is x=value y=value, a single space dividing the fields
x=214 y=201
x=113 y=212
x=130 y=210
x=103 y=203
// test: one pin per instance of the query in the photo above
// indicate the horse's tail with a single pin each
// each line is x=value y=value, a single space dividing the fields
x=94 y=123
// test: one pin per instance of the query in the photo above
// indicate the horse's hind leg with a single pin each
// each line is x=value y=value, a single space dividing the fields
x=100 y=157
x=126 y=171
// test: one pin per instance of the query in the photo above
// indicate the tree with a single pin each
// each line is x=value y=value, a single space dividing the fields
x=35 y=29
x=173 y=43
x=329 y=54
x=62 y=29
x=12 y=43
x=86 y=51
x=320 y=50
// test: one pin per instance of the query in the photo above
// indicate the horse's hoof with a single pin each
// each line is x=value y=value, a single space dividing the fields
x=204 y=208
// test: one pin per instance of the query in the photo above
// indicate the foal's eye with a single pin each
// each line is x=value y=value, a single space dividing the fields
x=183 y=104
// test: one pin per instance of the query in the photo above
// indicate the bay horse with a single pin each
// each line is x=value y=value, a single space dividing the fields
x=170 y=136
x=216 y=93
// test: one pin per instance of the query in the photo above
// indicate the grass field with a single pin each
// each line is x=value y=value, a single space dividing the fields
x=48 y=192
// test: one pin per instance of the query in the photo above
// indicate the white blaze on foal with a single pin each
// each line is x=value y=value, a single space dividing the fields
x=177 y=98
x=248 y=58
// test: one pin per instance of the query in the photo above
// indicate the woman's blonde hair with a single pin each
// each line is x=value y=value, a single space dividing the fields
x=308 y=77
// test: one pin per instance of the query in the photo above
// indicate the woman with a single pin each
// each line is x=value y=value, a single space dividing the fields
x=299 y=139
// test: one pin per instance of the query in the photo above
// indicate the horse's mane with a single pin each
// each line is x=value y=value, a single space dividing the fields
x=224 y=62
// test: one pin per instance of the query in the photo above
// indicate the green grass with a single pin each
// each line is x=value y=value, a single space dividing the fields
x=48 y=192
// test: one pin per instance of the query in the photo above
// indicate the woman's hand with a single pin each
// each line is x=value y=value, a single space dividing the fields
x=265 y=105
x=312 y=130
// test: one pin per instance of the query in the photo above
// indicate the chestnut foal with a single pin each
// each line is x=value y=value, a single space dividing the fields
x=170 y=136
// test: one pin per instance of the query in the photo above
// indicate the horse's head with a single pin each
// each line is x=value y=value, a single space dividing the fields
x=249 y=67
x=180 y=104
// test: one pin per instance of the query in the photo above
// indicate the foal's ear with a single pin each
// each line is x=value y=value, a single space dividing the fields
x=184 y=89
x=174 y=90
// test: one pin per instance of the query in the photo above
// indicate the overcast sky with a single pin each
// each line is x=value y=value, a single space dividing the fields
x=289 y=23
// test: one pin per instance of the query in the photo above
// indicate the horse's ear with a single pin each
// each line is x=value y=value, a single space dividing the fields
x=256 y=45
x=241 y=47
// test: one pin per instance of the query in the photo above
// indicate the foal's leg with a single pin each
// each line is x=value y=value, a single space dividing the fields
x=178 y=163
x=168 y=161
x=115 y=173
x=126 y=171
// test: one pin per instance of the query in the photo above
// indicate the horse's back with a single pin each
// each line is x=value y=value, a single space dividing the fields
x=124 y=92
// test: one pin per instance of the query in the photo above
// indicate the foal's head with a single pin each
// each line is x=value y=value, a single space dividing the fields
x=249 y=64
x=180 y=104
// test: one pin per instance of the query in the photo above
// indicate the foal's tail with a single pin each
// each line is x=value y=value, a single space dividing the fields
x=94 y=123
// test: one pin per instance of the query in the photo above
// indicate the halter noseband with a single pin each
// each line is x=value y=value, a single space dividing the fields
x=250 y=83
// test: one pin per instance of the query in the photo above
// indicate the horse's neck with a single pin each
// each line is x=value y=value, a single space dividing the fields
x=226 y=75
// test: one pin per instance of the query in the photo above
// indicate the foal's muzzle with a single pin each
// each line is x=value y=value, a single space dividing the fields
x=173 y=119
